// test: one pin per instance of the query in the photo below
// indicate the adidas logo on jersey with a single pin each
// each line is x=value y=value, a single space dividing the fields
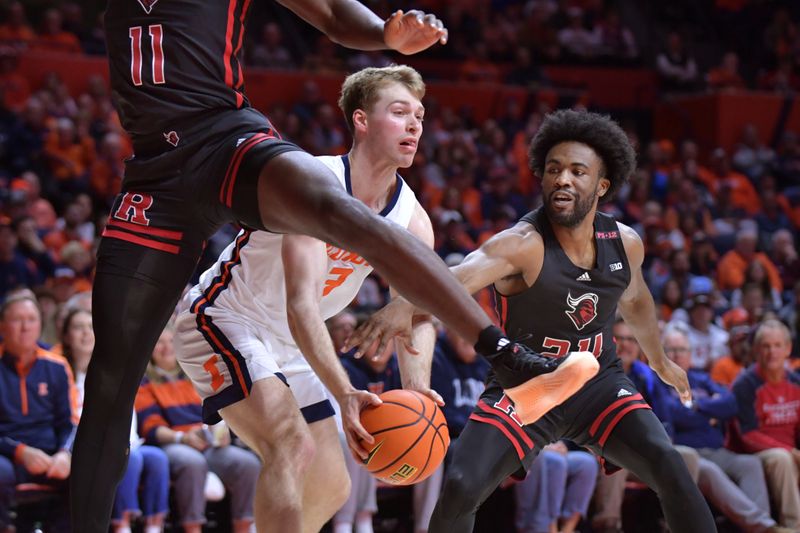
x=583 y=277
x=623 y=392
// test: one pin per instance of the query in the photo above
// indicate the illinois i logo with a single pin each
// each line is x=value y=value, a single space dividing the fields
x=583 y=309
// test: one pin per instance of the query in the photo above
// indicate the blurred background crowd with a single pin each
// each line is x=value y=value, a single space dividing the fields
x=719 y=214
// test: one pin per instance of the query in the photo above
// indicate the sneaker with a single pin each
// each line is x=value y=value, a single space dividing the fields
x=537 y=383
x=515 y=363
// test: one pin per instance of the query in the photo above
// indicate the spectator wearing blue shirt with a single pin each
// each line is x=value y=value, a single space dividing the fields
x=458 y=375
x=733 y=482
x=37 y=409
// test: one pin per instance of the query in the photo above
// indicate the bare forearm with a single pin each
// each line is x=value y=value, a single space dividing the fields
x=314 y=341
x=355 y=26
x=640 y=315
x=415 y=370
x=346 y=22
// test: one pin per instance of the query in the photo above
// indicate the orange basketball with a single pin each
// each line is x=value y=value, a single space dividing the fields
x=410 y=434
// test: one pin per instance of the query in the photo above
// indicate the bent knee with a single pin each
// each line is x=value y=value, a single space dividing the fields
x=459 y=496
x=778 y=461
x=294 y=448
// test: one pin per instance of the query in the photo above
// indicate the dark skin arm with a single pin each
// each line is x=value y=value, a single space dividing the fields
x=353 y=25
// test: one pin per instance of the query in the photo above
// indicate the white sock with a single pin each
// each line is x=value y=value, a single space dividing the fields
x=123 y=529
x=364 y=523
x=153 y=529
x=343 y=527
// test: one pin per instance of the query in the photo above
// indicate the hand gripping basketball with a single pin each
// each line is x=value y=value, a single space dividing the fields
x=411 y=437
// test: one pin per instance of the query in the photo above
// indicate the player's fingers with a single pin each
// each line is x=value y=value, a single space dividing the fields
x=356 y=449
x=444 y=37
x=415 y=15
x=384 y=342
x=362 y=340
x=430 y=21
x=371 y=399
x=408 y=344
x=361 y=434
x=436 y=397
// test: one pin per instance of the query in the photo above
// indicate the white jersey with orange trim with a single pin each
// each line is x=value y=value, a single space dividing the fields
x=248 y=278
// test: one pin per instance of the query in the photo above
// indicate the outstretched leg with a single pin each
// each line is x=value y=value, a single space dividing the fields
x=640 y=444
x=135 y=292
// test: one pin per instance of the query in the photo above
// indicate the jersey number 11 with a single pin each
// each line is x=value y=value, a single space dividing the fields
x=156 y=39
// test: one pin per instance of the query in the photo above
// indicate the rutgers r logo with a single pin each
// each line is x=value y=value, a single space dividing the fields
x=172 y=137
x=133 y=208
x=583 y=309
x=507 y=406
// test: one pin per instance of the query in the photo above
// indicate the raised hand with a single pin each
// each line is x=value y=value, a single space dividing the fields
x=413 y=32
x=394 y=321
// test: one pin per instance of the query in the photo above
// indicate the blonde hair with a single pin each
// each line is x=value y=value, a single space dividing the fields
x=360 y=89
x=772 y=323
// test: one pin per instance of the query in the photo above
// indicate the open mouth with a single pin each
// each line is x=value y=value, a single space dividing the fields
x=561 y=199
x=410 y=143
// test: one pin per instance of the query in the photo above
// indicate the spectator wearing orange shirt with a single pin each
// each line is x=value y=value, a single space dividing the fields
x=71 y=231
x=14 y=86
x=105 y=173
x=16 y=32
x=725 y=76
x=742 y=193
x=53 y=38
x=725 y=369
x=733 y=265
x=69 y=153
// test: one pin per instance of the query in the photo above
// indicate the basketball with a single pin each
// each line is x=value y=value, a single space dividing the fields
x=411 y=437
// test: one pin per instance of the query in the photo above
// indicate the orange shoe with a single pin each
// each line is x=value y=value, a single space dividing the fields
x=558 y=379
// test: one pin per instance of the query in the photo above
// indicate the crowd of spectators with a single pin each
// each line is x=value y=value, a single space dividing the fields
x=720 y=230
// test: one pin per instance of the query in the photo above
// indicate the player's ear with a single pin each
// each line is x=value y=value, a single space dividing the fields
x=359 y=120
x=603 y=187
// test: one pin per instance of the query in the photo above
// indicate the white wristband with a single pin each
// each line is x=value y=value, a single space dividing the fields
x=178 y=437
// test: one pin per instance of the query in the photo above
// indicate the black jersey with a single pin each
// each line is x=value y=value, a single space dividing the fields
x=569 y=308
x=174 y=59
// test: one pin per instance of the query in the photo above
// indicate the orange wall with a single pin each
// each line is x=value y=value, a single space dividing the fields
x=717 y=119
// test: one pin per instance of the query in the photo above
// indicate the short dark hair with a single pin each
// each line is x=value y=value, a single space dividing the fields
x=599 y=132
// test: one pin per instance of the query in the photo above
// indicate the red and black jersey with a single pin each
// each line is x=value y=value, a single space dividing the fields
x=570 y=308
x=172 y=59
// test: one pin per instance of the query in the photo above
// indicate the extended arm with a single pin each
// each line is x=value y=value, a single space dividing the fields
x=352 y=24
x=639 y=311
x=305 y=266
x=517 y=251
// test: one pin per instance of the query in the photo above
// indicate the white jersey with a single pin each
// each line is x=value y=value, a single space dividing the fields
x=248 y=278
